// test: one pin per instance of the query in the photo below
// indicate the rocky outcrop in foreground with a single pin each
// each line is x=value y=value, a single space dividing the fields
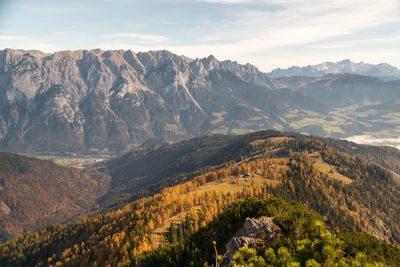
x=253 y=234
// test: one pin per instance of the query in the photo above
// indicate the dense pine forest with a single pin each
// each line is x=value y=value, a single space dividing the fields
x=176 y=225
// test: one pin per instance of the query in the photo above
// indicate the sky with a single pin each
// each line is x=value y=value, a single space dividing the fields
x=266 y=33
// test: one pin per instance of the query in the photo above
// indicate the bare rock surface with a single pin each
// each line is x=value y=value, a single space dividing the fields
x=108 y=100
x=79 y=100
x=252 y=234
x=383 y=70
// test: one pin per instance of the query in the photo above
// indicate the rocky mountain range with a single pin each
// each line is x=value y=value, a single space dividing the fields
x=107 y=99
x=382 y=70
x=112 y=100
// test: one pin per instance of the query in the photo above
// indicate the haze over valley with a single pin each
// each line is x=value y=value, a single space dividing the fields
x=370 y=140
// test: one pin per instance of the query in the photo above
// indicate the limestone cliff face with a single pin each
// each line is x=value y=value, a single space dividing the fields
x=76 y=100
x=80 y=100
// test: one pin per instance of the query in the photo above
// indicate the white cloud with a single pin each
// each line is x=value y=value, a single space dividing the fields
x=226 y=1
x=139 y=38
x=297 y=24
x=7 y=38
x=69 y=33
x=265 y=33
x=170 y=23
x=52 y=10
x=297 y=32
x=28 y=43
x=136 y=25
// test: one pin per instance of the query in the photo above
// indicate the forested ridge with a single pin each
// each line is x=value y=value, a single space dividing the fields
x=37 y=192
x=349 y=193
x=304 y=242
x=144 y=172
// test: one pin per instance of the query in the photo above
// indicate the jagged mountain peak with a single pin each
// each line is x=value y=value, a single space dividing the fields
x=383 y=70
x=117 y=98
x=346 y=61
x=116 y=95
x=21 y=52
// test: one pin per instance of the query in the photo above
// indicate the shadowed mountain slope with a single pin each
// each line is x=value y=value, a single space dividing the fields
x=77 y=100
x=35 y=193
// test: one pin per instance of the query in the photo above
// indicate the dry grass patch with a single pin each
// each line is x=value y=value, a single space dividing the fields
x=279 y=139
x=396 y=177
x=331 y=171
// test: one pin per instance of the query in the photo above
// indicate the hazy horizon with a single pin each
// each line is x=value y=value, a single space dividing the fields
x=292 y=32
